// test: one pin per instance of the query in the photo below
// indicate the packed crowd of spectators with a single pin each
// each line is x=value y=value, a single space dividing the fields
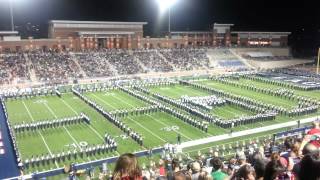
x=294 y=157
x=13 y=66
x=153 y=61
x=94 y=64
x=123 y=61
x=186 y=59
x=65 y=66
x=53 y=67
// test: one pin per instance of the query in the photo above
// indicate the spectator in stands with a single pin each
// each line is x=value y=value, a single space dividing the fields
x=314 y=134
x=161 y=169
x=127 y=168
x=308 y=149
x=182 y=175
x=204 y=175
x=275 y=168
x=217 y=167
x=242 y=159
x=259 y=167
x=310 y=167
x=245 y=172
x=195 y=168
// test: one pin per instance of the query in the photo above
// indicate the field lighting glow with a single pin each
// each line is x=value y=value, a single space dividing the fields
x=165 y=4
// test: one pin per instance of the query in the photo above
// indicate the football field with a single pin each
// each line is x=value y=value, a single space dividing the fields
x=156 y=128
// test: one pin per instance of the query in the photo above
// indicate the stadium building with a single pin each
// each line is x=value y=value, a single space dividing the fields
x=80 y=35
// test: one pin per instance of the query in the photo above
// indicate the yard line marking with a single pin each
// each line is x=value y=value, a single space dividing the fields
x=68 y=132
x=103 y=101
x=44 y=141
x=86 y=124
x=133 y=120
x=168 y=125
x=106 y=104
x=147 y=129
x=155 y=119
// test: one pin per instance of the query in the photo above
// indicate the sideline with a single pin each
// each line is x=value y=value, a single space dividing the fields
x=245 y=132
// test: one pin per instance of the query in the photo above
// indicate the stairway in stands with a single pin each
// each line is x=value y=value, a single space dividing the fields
x=165 y=60
x=74 y=59
x=32 y=72
x=145 y=69
x=242 y=59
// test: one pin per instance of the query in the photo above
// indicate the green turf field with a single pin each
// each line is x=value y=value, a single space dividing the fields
x=230 y=112
x=266 y=98
x=156 y=128
x=311 y=94
x=177 y=91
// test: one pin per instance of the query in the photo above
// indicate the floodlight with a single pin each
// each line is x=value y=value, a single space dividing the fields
x=165 y=4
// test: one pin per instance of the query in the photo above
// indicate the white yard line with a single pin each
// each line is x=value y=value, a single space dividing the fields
x=133 y=120
x=168 y=125
x=68 y=132
x=155 y=119
x=103 y=101
x=96 y=132
x=44 y=141
x=147 y=129
x=99 y=135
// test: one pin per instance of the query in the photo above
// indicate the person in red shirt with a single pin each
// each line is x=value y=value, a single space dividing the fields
x=313 y=136
x=315 y=129
x=127 y=168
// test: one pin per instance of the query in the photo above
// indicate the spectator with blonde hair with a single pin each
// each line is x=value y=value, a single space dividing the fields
x=127 y=168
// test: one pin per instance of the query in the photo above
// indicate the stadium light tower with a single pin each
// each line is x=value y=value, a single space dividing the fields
x=166 y=5
x=11 y=14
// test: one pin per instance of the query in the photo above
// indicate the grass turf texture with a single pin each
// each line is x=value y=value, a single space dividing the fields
x=311 y=94
x=266 y=98
x=230 y=111
x=177 y=91
x=151 y=126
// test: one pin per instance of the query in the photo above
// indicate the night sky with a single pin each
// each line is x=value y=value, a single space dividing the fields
x=302 y=18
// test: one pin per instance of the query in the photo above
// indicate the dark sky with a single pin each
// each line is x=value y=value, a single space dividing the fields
x=301 y=17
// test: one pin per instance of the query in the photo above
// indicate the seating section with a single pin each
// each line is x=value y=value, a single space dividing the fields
x=94 y=64
x=63 y=67
x=152 y=60
x=53 y=67
x=186 y=59
x=226 y=59
x=124 y=62
x=13 y=66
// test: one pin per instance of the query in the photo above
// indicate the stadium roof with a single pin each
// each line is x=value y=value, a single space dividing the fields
x=96 y=22
x=190 y=32
x=104 y=33
x=217 y=24
x=257 y=32
x=9 y=32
